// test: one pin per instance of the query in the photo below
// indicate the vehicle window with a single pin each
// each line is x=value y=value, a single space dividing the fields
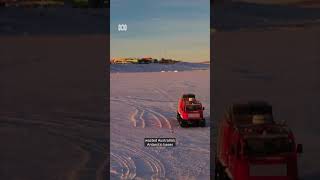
x=188 y=96
x=268 y=146
x=247 y=119
x=247 y=110
x=193 y=107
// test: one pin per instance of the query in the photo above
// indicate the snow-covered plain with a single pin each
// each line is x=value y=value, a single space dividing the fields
x=181 y=66
x=143 y=105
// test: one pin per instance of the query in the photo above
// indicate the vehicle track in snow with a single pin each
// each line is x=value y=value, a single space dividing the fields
x=128 y=168
x=151 y=105
x=166 y=95
x=137 y=117
x=133 y=117
x=72 y=127
x=148 y=99
x=153 y=167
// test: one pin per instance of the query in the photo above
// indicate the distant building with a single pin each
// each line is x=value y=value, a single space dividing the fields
x=119 y=61
x=145 y=60
x=167 y=61
x=132 y=60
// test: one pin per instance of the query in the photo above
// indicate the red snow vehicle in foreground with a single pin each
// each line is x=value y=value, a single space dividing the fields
x=252 y=146
x=190 y=111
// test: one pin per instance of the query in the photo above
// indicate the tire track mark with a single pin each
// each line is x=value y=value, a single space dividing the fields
x=89 y=144
x=143 y=123
x=133 y=118
x=157 y=119
x=156 y=166
x=158 y=116
x=169 y=126
x=128 y=168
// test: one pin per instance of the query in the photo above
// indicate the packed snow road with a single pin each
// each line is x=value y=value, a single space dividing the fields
x=143 y=105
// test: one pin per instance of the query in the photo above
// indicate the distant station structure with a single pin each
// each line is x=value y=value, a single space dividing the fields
x=143 y=60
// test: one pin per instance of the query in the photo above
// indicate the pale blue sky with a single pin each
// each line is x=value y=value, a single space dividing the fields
x=178 y=29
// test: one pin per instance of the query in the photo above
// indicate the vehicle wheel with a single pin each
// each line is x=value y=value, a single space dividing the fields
x=183 y=124
x=225 y=177
x=203 y=123
x=178 y=118
x=217 y=172
x=180 y=121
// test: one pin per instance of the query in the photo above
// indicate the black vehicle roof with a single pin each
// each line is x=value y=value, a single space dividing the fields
x=188 y=95
x=251 y=107
x=248 y=113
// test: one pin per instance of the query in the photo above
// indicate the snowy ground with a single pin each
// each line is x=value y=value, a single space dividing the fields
x=181 y=66
x=53 y=121
x=143 y=105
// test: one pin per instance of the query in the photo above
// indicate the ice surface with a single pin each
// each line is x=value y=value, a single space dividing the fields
x=143 y=105
x=181 y=66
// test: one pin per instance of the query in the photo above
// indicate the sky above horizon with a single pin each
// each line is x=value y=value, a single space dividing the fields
x=176 y=29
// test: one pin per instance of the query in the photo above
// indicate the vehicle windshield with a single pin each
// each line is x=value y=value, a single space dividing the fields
x=246 y=119
x=246 y=115
x=251 y=110
x=193 y=107
x=267 y=146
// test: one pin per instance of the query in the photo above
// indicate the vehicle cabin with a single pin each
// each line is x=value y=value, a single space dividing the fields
x=190 y=111
x=189 y=103
x=248 y=132
x=249 y=113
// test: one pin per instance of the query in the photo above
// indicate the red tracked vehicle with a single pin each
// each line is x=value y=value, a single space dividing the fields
x=190 y=111
x=252 y=146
